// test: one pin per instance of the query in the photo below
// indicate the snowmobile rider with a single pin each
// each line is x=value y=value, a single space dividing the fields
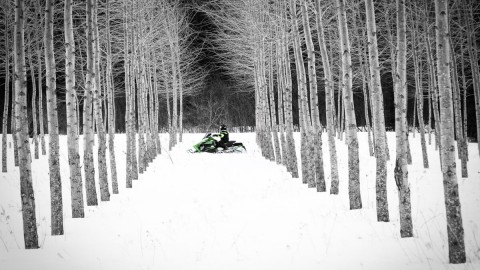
x=224 y=138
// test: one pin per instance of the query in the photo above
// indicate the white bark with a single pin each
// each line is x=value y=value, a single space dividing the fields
x=25 y=171
x=456 y=242
x=52 y=116
x=401 y=173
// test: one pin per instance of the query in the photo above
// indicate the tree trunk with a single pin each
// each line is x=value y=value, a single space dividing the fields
x=419 y=95
x=141 y=125
x=280 y=98
x=54 y=147
x=377 y=115
x=6 y=101
x=174 y=101
x=128 y=100
x=340 y=108
x=149 y=112
x=72 y=121
x=314 y=111
x=167 y=97
x=307 y=154
x=401 y=173
x=350 y=122
x=456 y=244
x=13 y=123
x=34 y=101
x=433 y=88
x=40 y=101
x=266 y=127
x=458 y=113
x=26 y=188
x=366 y=102
x=102 y=142
x=87 y=116
x=464 y=87
x=292 y=162
x=329 y=100
x=429 y=98
x=128 y=119
x=157 y=109
x=180 y=91
x=134 y=117
x=273 y=113
x=362 y=52
x=111 y=103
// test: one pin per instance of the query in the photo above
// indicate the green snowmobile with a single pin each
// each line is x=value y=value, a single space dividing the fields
x=209 y=144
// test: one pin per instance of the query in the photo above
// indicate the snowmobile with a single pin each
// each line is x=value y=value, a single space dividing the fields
x=209 y=144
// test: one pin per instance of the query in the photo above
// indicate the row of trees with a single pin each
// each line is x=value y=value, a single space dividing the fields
x=85 y=55
x=428 y=52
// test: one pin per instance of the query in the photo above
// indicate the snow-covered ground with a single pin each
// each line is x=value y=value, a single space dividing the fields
x=240 y=211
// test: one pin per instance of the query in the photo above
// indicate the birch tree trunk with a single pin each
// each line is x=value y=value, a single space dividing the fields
x=433 y=88
x=266 y=115
x=461 y=144
x=292 y=162
x=377 y=115
x=180 y=88
x=141 y=125
x=456 y=244
x=97 y=110
x=366 y=101
x=157 y=109
x=419 y=96
x=414 y=120
x=401 y=172
x=13 y=124
x=350 y=122
x=128 y=124
x=280 y=95
x=111 y=103
x=54 y=147
x=128 y=100
x=72 y=121
x=6 y=101
x=280 y=86
x=429 y=98
x=40 y=101
x=329 y=99
x=418 y=73
x=464 y=87
x=149 y=112
x=26 y=188
x=273 y=113
x=314 y=111
x=340 y=110
x=173 y=63
x=34 y=101
x=307 y=151
x=174 y=101
x=87 y=116
x=133 y=105
x=364 y=73
x=167 y=86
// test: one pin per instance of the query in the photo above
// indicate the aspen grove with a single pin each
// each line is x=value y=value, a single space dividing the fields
x=312 y=80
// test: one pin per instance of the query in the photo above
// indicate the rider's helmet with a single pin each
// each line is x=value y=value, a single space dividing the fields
x=223 y=128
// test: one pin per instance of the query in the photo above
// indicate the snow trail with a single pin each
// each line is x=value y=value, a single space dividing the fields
x=240 y=211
